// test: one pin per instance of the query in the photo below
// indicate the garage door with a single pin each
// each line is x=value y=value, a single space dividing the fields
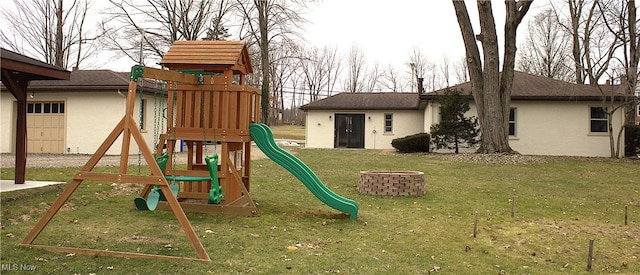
x=45 y=127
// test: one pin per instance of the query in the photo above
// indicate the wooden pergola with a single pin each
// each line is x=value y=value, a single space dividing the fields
x=17 y=71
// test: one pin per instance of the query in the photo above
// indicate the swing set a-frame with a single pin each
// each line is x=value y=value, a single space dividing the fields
x=208 y=102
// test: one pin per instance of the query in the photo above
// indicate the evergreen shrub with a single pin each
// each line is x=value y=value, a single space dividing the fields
x=632 y=143
x=413 y=143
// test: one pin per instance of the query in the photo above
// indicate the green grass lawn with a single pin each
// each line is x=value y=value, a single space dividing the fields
x=559 y=206
x=288 y=132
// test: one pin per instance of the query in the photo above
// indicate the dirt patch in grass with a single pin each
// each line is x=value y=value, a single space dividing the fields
x=142 y=239
x=119 y=189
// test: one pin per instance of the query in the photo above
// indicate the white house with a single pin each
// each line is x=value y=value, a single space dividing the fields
x=548 y=117
x=75 y=116
x=363 y=120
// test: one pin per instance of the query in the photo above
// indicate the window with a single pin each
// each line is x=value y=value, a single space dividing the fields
x=388 y=123
x=46 y=108
x=512 y=121
x=598 y=119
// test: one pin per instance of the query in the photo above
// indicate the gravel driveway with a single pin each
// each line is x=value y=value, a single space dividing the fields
x=79 y=160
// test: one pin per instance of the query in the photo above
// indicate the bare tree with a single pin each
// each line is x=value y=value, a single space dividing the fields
x=295 y=116
x=334 y=67
x=461 y=70
x=576 y=19
x=320 y=69
x=159 y=22
x=354 y=83
x=218 y=28
x=53 y=31
x=433 y=79
x=546 y=49
x=314 y=72
x=391 y=80
x=372 y=78
x=283 y=66
x=445 y=70
x=620 y=19
x=266 y=23
x=491 y=89
x=593 y=46
x=420 y=66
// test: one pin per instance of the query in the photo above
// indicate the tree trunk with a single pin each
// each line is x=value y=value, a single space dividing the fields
x=634 y=58
x=493 y=140
x=575 y=10
x=491 y=92
x=474 y=63
x=263 y=20
x=59 y=51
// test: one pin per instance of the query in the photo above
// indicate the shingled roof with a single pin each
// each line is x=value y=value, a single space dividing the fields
x=366 y=101
x=85 y=80
x=534 y=87
x=91 y=80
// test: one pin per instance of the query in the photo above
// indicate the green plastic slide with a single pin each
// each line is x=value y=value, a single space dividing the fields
x=263 y=137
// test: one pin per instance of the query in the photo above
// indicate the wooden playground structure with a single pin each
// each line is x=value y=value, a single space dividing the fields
x=208 y=103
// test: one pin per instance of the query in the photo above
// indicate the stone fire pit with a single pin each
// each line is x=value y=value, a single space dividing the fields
x=403 y=183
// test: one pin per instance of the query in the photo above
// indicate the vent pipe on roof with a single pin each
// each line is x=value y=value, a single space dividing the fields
x=420 y=85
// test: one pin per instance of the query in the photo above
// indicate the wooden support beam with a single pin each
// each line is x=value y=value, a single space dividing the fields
x=97 y=252
x=95 y=176
x=169 y=75
x=17 y=85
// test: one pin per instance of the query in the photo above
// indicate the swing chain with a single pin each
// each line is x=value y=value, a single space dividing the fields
x=202 y=118
x=213 y=115
x=174 y=122
x=140 y=122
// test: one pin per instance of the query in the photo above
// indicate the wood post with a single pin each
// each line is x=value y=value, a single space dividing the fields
x=590 y=255
x=513 y=206
x=625 y=215
x=475 y=224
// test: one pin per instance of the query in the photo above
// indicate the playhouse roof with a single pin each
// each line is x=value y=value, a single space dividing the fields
x=211 y=56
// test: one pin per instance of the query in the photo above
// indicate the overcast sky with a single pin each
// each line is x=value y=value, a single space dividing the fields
x=386 y=30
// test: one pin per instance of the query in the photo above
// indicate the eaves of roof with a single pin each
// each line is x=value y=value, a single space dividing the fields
x=533 y=87
x=366 y=101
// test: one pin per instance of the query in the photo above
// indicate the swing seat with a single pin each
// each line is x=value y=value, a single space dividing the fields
x=215 y=193
x=151 y=202
x=162 y=163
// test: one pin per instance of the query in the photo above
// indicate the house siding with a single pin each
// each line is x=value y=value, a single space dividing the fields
x=7 y=122
x=90 y=117
x=553 y=128
x=559 y=129
x=320 y=127
x=319 y=131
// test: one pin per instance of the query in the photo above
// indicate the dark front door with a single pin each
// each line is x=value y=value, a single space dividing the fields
x=349 y=131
